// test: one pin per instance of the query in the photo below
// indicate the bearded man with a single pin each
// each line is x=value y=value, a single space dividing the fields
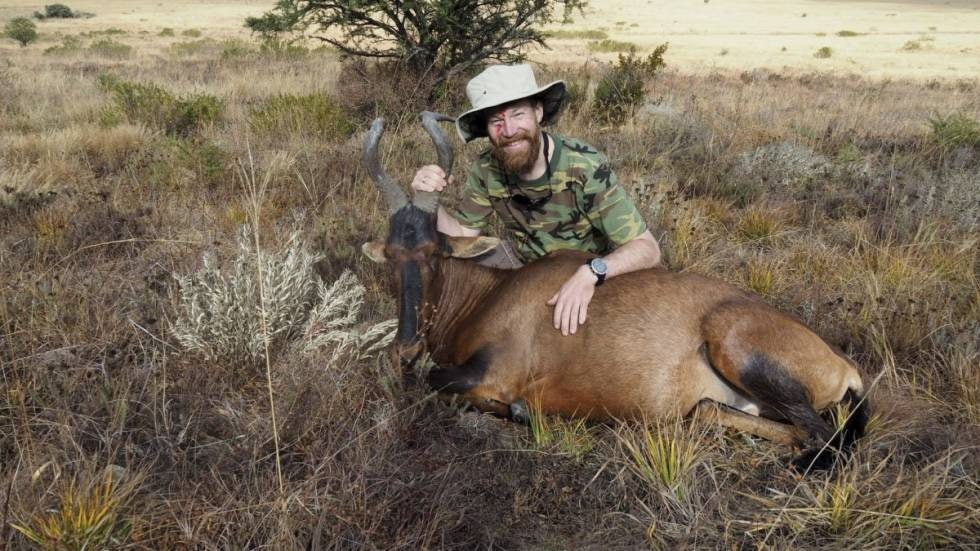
x=550 y=192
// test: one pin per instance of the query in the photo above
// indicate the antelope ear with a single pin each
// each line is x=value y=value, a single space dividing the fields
x=375 y=250
x=468 y=247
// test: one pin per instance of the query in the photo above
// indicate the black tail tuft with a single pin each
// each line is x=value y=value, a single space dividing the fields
x=825 y=457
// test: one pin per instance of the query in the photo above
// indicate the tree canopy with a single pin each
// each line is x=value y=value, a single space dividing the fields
x=444 y=37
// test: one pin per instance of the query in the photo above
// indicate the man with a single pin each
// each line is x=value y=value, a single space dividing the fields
x=550 y=192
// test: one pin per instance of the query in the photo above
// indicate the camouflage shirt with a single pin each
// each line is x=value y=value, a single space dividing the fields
x=580 y=207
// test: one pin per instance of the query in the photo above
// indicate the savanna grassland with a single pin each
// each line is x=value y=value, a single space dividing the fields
x=160 y=181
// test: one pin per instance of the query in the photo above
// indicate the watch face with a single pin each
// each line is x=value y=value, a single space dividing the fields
x=599 y=266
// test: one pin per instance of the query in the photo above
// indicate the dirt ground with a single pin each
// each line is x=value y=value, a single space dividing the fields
x=921 y=39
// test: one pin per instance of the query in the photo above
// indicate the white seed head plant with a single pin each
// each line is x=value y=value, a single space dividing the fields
x=220 y=314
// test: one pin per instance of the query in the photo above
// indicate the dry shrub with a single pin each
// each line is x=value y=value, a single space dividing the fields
x=314 y=116
x=394 y=90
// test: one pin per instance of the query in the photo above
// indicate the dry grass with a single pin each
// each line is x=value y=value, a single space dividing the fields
x=849 y=203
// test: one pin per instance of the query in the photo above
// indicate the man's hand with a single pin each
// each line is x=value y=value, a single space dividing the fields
x=430 y=178
x=571 y=302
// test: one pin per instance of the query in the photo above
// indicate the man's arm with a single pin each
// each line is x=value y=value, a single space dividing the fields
x=639 y=254
x=571 y=302
x=446 y=223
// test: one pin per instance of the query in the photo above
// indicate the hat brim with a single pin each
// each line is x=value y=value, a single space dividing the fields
x=472 y=124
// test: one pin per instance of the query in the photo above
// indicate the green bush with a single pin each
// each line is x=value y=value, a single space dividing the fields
x=956 y=130
x=620 y=90
x=848 y=34
x=22 y=30
x=58 y=11
x=153 y=106
x=69 y=45
x=823 y=53
x=192 y=33
x=315 y=116
x=111 y=49
x=607 y=45
x=167 y=31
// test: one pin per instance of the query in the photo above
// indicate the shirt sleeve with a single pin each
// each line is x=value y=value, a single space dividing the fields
x=610 y=208
x=474 y=206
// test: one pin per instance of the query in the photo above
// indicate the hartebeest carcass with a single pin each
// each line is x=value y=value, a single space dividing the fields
x=656 y=342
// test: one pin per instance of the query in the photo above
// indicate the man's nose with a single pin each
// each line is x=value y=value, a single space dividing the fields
x=510 y=127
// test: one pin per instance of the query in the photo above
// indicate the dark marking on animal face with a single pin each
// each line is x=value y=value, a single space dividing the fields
x=410 y=228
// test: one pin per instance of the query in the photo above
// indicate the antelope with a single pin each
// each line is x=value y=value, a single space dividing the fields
x=656 y=343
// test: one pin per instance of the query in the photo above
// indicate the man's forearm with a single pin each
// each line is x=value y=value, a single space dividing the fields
x=640 y=253
x=447 y=224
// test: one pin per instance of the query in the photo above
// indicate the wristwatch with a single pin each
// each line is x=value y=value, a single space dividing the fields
x=599 y=268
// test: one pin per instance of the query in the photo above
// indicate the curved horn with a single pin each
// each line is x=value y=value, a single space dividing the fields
x=393 y=195
x=429 y=200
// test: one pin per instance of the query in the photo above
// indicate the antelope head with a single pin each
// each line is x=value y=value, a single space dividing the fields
x=413 y=246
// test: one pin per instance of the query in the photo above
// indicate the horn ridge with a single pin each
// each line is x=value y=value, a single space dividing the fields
x=393 y=195
x=429 y=200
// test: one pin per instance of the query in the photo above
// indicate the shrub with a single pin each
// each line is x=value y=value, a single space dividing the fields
x=69 y=45
x=153 y=106
x=167 y=31
x=235 y=48
x=956 y=130
x=22 y=30
x=111 y=49
x=621 y=89
x=911 y=46
x=191 y=48
x=607 y=45
x=232 y=314
x=192 y=33
x=315 y=115
x=823 y=53
x=848 y=34
x=56 y=11
x=591 y=34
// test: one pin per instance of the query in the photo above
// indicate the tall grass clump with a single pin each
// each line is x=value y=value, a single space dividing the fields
x=664 y=454
x=955 y=130
x=824 y=53
x=310 y=116
x=621 y=89
x=221 y=310
x=151 y=105
x=110 y=49
x=610 y=46
x=89 y=516
x=572 y=437
x=70 y=45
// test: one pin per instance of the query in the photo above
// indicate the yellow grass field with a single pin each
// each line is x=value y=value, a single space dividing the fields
x=901 y=38
x=157 y=163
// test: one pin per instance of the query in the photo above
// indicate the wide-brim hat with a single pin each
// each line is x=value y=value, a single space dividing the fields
x=502 y=84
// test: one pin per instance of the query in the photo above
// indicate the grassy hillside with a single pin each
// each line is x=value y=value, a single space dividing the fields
x=136 y=404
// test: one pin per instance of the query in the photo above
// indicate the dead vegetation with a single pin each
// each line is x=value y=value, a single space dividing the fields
x=850 y=203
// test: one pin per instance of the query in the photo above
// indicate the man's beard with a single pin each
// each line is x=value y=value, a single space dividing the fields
x=520 y=161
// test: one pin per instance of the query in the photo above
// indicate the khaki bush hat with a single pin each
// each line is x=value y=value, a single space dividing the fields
x=502 y=84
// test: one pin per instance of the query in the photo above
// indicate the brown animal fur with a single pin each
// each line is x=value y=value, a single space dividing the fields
x=655 y=343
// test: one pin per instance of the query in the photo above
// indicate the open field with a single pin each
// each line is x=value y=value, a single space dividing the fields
x=130 y=161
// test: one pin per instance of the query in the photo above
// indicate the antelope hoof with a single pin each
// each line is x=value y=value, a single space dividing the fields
x=519 y=412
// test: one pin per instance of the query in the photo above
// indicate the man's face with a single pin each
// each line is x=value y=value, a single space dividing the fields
x=515 y=134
